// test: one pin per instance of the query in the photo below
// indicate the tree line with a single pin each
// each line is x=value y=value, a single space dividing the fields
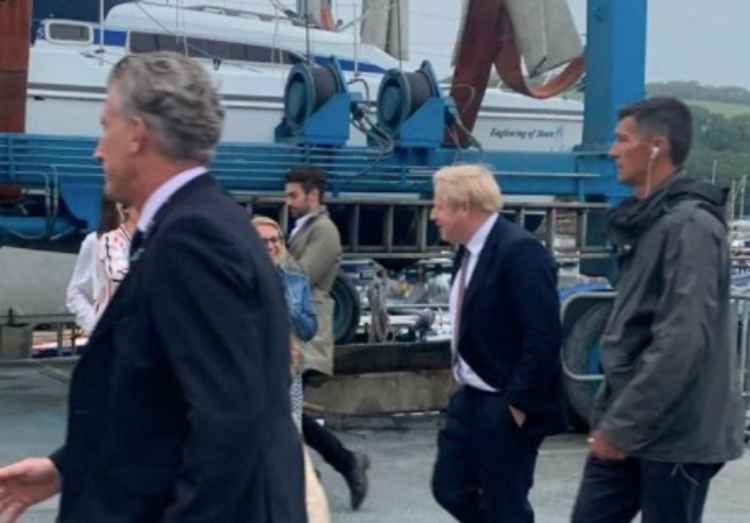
x=718 y=140
x=696 y=91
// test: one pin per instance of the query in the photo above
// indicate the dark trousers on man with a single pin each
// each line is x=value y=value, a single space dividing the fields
x=485 y=464
x=328 y=445
x=323 y=440
x=615 y=491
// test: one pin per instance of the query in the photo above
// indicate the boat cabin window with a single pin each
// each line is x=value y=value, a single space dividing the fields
x=205 y=48
x=147 y=42
x=68 y=32
x=210 y=49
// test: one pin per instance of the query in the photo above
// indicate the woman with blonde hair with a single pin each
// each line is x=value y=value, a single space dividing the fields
x=304 y=324
x=299 y=302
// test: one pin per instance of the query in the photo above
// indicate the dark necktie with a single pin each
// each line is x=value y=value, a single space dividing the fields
x=460 y=303
x=136 y=242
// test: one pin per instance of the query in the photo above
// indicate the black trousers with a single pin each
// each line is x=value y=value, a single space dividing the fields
x=323 y=440
x=327 y=445
x=615 y=491
x=485 y=463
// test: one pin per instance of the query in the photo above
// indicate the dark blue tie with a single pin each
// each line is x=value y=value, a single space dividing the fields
x=136 y=243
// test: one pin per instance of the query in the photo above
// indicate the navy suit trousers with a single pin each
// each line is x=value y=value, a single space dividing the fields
x=485 y=464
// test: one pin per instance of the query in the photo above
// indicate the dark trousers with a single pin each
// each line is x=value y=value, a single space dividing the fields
x=485 y=463
x=327 y=445
x=615 y=491
x=323 y=440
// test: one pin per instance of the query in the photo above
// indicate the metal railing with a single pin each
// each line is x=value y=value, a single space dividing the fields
x=55 y=326
x=741 y=311
x=739 y=337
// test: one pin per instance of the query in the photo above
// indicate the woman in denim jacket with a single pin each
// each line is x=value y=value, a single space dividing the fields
x=299 y=303
x=304 y=325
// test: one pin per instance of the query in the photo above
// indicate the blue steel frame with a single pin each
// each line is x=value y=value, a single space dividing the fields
x=615 y=70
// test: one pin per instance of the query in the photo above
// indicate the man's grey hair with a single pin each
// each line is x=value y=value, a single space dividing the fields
x=177 y=99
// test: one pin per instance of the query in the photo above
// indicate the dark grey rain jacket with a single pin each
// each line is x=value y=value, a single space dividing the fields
x=671 y=391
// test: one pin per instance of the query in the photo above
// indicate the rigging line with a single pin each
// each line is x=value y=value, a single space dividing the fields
x=400 y=42
x=102 y=28
x=275 y=51
x=188 y=46
x=176 y=17
x=307 y=31
x=365 y=14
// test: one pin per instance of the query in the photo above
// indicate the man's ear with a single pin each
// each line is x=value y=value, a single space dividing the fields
x=661 y=145
x=315 y=193
x=138 y=135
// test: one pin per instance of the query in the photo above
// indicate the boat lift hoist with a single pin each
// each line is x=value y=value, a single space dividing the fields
x=50 y=185
x=49 y=180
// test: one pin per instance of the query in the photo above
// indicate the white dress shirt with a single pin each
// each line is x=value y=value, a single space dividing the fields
x=461 y=370
x=298 y=224
x=165 y=191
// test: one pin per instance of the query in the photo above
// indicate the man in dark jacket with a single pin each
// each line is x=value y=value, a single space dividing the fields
x=179 y=409
x=505 y=354
x=669 y=413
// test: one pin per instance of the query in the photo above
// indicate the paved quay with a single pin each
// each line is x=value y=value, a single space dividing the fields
x=32 y=422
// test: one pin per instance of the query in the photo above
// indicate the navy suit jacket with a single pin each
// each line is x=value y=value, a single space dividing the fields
x=179 y=408
x=510 y=332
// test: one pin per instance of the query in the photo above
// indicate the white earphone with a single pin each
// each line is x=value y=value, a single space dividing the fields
x=654 y=152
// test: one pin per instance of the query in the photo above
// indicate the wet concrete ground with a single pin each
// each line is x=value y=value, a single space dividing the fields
x=32 y=410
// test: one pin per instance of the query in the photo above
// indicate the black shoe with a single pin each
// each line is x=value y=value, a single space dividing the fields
x=357 y=479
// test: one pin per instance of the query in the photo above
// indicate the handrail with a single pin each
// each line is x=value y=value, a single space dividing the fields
x=743 y=344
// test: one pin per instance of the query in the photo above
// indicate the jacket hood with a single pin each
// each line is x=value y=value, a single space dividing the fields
x=634 y=216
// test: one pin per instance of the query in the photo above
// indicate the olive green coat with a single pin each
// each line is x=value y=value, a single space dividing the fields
x=317 y=250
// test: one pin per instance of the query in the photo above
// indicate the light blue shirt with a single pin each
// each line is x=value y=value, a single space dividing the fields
x=163 y=193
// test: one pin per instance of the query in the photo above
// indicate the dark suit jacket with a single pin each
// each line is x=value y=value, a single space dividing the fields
x=179 y=408
x=510 y=331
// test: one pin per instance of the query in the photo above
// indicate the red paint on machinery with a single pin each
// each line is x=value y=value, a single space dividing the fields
x=15 y=26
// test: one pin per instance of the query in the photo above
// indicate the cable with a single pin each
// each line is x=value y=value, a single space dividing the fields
x=453 y=135
x=379 y=136
x=307 y=32
x=649 y=175
x=400 y=35
x=472 y=91
x=363 y=82
x=364 y=15
x=188 y=46
x=472 y=140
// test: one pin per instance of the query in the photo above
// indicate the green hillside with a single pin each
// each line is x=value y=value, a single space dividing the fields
x=727 y=110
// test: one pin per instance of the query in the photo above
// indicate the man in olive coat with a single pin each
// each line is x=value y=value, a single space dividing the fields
x=315 y=244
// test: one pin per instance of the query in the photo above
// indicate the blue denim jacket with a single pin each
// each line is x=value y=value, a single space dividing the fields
x=299 y=302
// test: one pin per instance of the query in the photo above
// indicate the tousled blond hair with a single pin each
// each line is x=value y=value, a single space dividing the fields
x=270 y=222
x=470 y=185
x=265 y=220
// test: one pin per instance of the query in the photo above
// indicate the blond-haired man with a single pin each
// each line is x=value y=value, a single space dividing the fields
x=506 y=336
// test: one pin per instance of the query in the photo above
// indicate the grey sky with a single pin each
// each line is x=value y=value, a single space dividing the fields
x=687 y=39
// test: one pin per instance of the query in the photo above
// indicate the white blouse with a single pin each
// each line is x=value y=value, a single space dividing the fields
x=82 y=288
x=101 y=265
